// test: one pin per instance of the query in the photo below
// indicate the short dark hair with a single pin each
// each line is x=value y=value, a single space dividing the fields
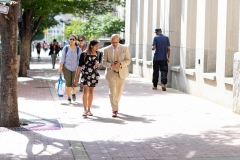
x=54 y=40
x=81 y=36
x=158 y=29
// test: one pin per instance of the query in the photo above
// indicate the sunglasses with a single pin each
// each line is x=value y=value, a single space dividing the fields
x=81 y=40
x=71 y=39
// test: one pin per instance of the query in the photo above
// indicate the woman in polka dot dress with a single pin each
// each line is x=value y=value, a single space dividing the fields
x=88 y=66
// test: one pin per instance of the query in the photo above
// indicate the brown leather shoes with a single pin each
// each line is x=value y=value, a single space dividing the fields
x=114 y=113
x=163 y=87
x=154 y=88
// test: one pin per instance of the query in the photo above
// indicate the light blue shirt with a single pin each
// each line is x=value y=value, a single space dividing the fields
x=71 y=58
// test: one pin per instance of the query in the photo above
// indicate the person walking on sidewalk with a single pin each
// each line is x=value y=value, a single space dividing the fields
x=83 y=45
x=68 y=65
x=38 y=47
x=116 y=60
x=161 y=58
x=88 y=66
x=54 y=49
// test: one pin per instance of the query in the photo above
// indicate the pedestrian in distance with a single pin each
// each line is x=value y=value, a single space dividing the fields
x=116 y=60
x=58 y=50
x=83 y=45
x=38 y=47
x=33 y=46
x=68 y=65
x=161 y=58
x=88 y=68
x=45 y=46
x=61 y=46
x=54 y=50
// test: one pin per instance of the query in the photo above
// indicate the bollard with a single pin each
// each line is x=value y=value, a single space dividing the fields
x=236 y=83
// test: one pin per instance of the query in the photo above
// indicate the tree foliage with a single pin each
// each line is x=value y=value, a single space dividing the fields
x=35 y=12
x=44 y=11
x=96 y=26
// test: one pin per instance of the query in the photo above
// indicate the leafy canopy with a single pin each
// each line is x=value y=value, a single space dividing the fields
x=47 y=9
x=96 y=26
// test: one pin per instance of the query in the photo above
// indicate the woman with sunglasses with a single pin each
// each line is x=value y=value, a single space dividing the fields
x=88 y=65
x=68 y=65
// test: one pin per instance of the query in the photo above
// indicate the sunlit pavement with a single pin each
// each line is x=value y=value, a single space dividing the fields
x=151 y=125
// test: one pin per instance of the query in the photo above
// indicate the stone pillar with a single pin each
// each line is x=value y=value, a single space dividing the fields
x=236 y=83
x=130 y=29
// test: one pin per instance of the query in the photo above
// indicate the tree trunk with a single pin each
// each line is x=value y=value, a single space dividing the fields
x=9 y=98
x=24 y=56
x=25 y=37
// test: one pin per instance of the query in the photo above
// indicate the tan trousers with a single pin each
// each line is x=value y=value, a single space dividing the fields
x=116 y=86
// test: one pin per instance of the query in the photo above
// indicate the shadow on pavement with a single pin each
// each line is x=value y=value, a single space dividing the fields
x=212 y=145
x=38 y=146
x=131 y=118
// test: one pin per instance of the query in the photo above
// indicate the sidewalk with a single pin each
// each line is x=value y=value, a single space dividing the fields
x=152 y=124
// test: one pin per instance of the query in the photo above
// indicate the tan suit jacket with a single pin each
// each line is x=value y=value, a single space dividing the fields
x=123 y=58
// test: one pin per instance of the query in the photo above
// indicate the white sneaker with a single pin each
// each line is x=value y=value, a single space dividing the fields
x=69 y=100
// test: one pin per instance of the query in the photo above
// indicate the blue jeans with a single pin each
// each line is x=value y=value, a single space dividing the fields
x=161 y=65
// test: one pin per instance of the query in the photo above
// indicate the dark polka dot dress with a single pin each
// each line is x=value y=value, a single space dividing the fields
x=90 y=75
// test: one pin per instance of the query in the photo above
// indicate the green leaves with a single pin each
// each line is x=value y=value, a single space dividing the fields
x=80 y=8
x=96 y=26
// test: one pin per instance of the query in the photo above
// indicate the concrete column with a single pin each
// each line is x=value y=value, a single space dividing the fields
x=139 y=30
x=236 y=83
x=137 y=65
x=165 y=16
x=147 y=38
x=181 y=83
x=221 y=50
x=236 y=74
x=211 y=36
x=130 y=29
x=146 y=28
x=183 y=41
x=155 y=23
x=200 y=30
x=232 y=35
x=191 y=34
x=175 y=28
x=128 y=22
x=175 y=40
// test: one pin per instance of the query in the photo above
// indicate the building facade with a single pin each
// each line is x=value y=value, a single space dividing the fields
x=204 y=35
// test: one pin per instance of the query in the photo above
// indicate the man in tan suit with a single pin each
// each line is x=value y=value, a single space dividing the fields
x=116 y=60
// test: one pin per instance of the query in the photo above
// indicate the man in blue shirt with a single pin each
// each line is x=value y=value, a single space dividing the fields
x=161 y=58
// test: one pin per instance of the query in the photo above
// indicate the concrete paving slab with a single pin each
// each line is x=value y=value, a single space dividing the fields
x=152 y=124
